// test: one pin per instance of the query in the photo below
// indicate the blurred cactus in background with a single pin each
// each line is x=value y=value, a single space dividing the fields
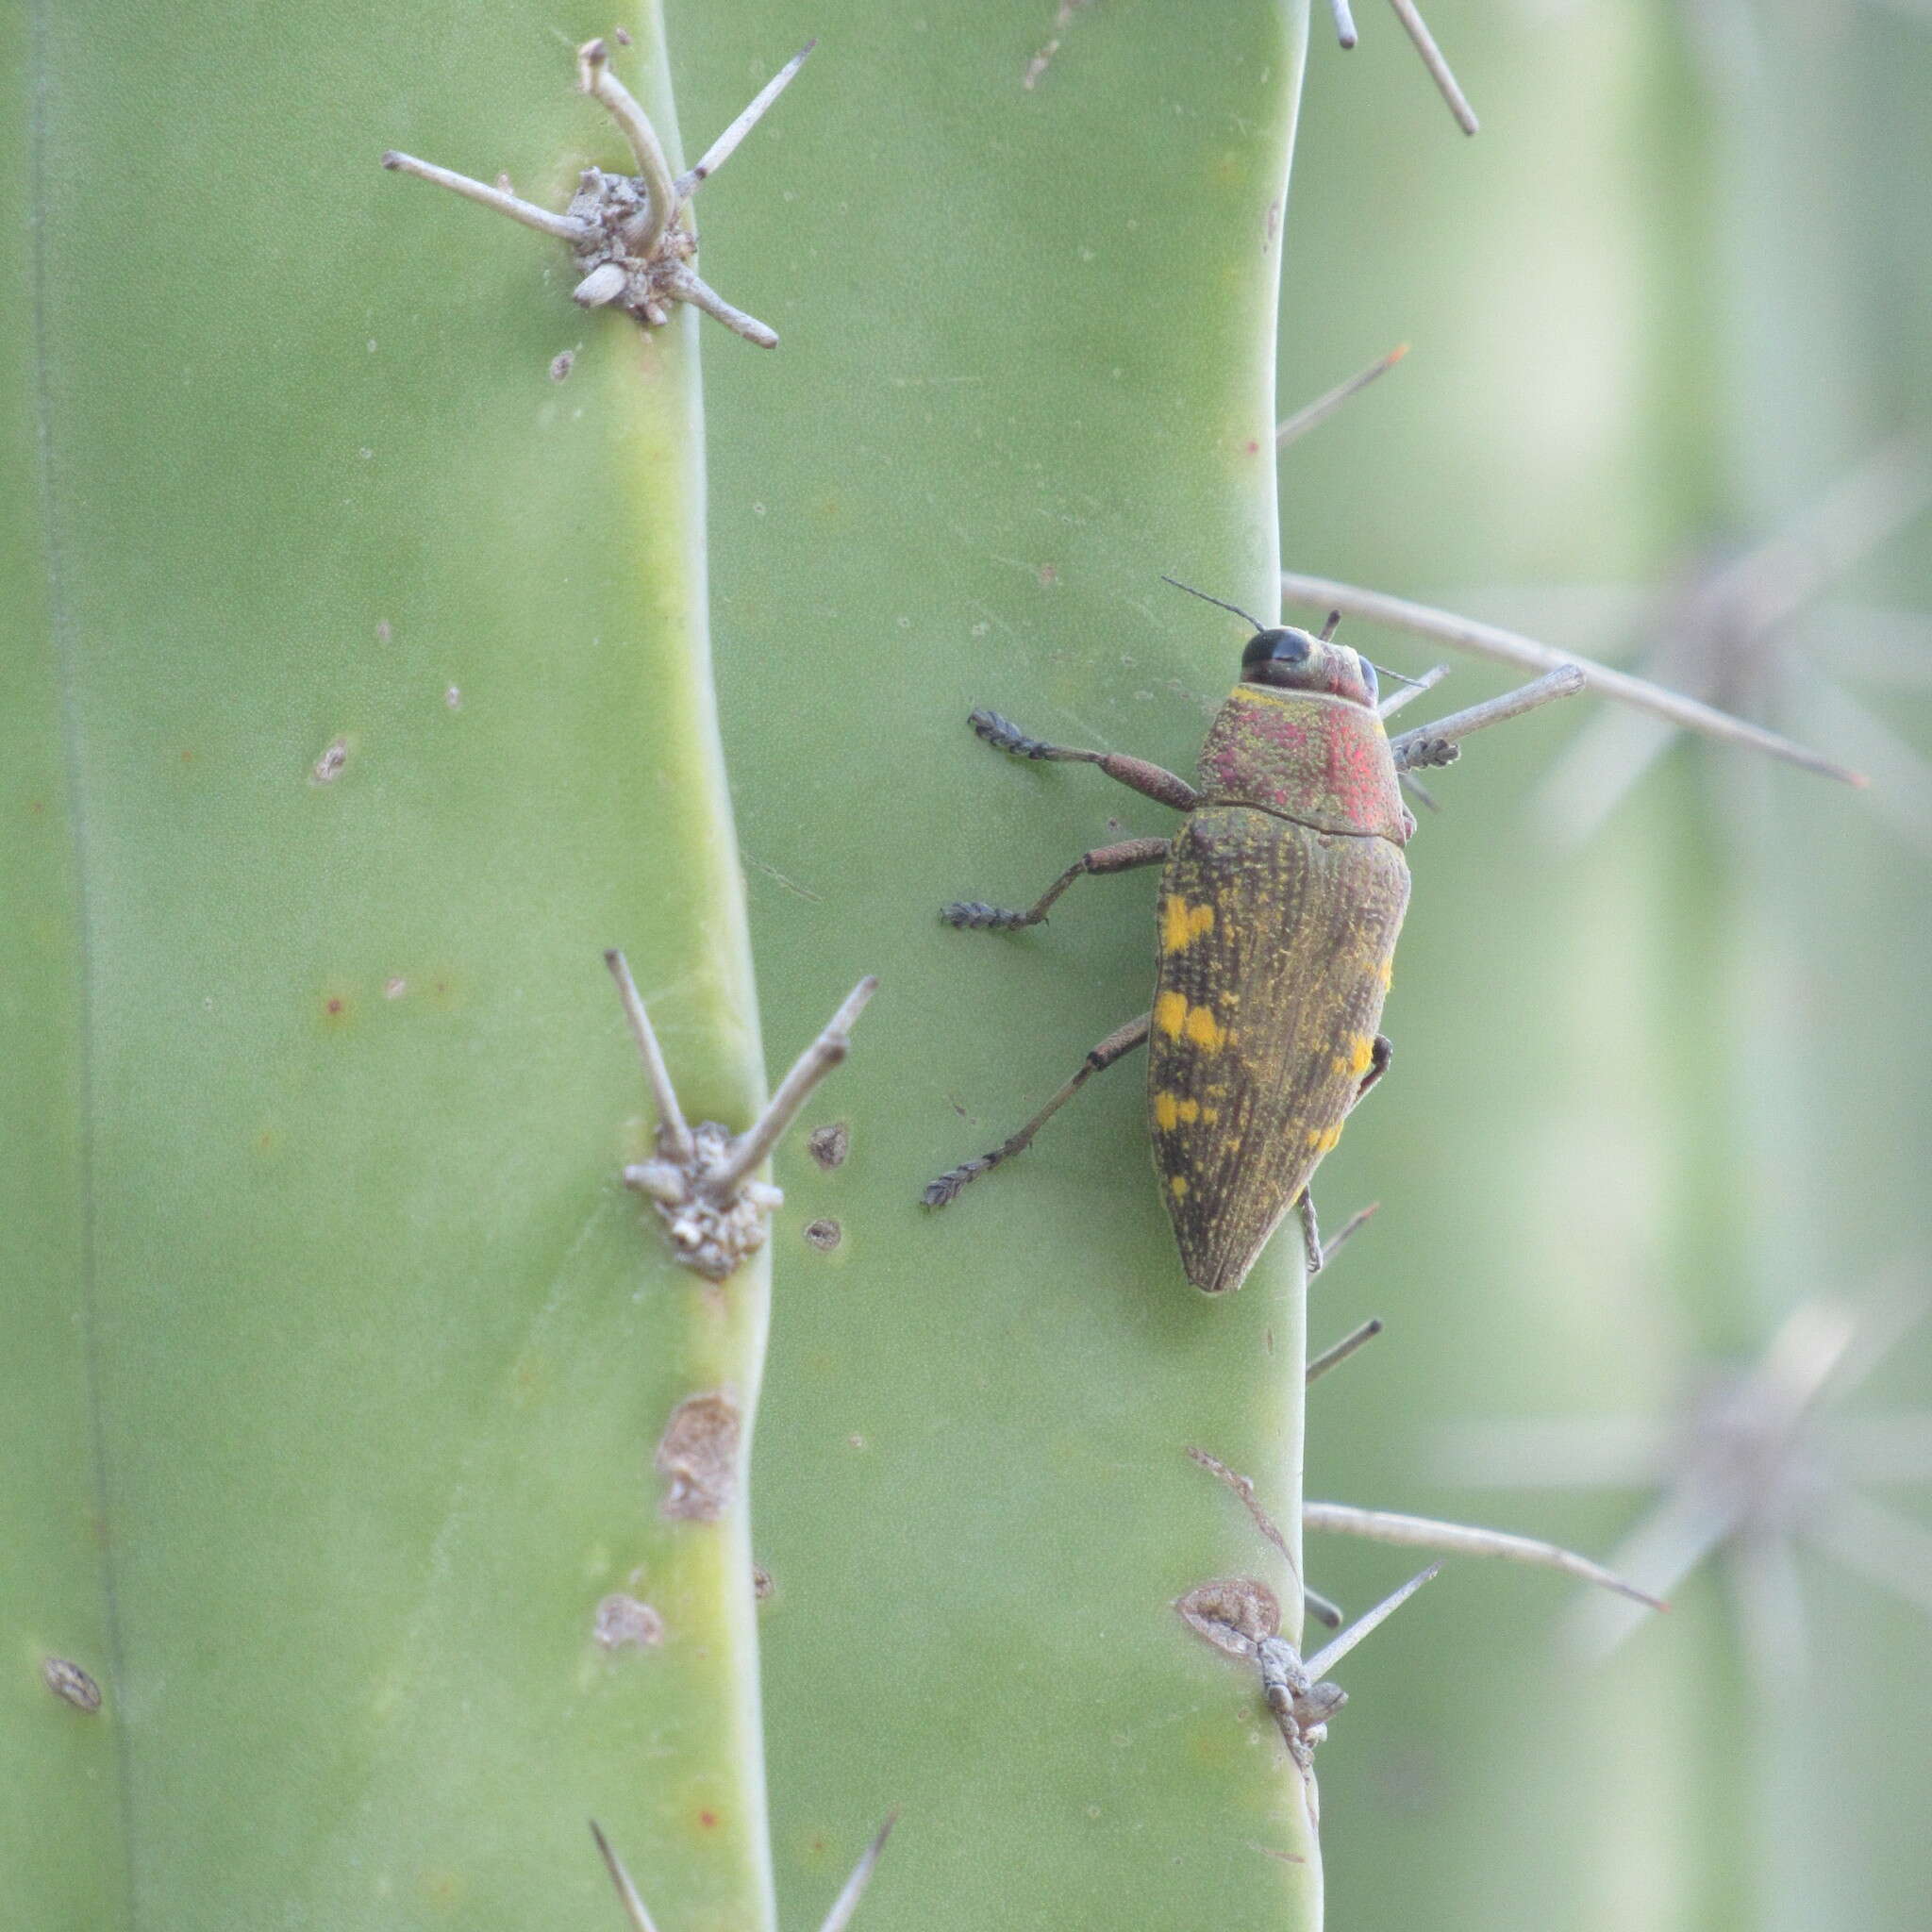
x=1669 y=318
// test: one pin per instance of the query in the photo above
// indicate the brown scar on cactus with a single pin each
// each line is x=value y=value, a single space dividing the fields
x=1233 y=1613
x=700 y=1178
x=698 y=1455
x=626 y=1622
x=630 y=234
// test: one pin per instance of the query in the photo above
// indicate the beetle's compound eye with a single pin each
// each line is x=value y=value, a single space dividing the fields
x=1370 y=682
x=1285 y=648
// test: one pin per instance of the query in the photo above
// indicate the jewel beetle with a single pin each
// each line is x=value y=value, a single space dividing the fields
x=1280 y=903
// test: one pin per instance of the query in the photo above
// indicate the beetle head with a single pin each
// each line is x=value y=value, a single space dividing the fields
x=1293 y=660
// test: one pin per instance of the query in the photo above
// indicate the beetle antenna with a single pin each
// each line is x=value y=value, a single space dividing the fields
x=1206 y=599
x=1401 y=678
x=1333 y=624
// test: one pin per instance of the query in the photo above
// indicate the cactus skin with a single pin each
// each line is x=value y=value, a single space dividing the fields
x=359 y=665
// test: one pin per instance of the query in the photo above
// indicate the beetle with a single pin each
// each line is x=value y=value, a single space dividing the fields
x=1281 y=900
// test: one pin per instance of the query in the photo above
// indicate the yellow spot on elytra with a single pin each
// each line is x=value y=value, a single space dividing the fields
x=1171 y=1013
x=1170 y=1111
x=1204 y=1029
x=1189 y=1111
x=1361 y=1051
x=1180 y=1187
x=1181 y=924
x=1209 y=1114
x=1386 y=973
x=1323 y=1141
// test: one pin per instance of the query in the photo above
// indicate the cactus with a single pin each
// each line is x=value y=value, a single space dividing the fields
x=365 y=1429
x=369 y=702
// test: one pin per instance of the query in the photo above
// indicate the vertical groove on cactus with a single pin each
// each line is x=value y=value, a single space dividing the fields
x=65 y=1731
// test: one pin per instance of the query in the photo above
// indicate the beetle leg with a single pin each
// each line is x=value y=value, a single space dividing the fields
x=1312 y=1234
x=1379 y=1065
x=1121 y=858
x=1137 y=775
x=1117 y=1045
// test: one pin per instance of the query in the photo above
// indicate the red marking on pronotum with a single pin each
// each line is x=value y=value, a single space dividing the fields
x=1355 y=775
x=1278 y=727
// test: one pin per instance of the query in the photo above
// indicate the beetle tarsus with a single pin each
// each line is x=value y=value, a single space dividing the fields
x=945 y=1187
x=1311 y=1234
x=1003 y=735
x=1124 y=856
x=1426 y=750
x=977 y=916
